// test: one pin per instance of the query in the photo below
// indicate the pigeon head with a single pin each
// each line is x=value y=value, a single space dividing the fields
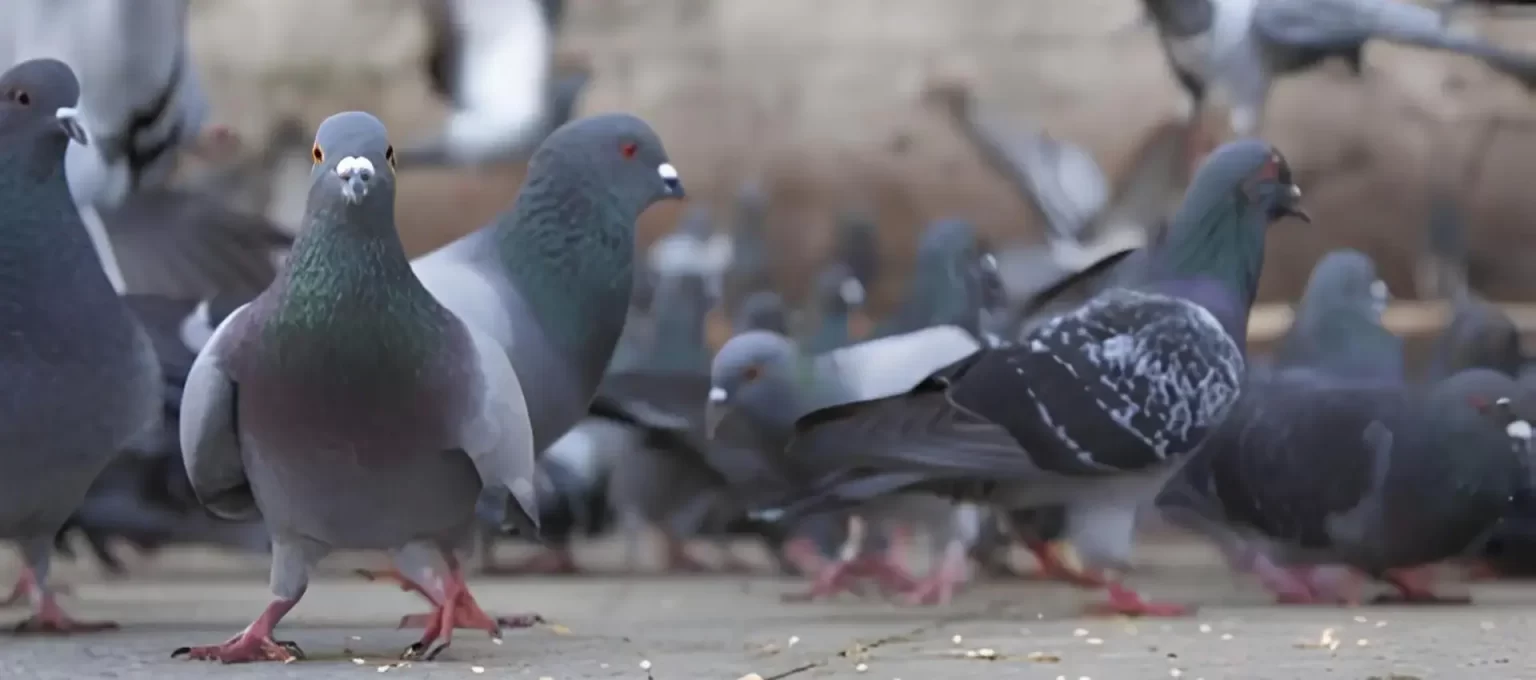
x=837 y=290
x=1478 y=397
x=620 y=152
x=1253 y=173
x=354 y=164
x=945 y=286
x=761 y=311
x=37 y=100
x=749 y=368
x=1345 y=281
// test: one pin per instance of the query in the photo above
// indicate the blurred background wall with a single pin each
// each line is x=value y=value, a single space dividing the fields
x=820 y=100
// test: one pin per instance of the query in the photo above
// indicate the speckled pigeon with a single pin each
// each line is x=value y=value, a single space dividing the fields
x=1314 y=470
x=1338 y=328
x=80 y=374
x=353 y=410
x=1094 y=409
x=1234 y=49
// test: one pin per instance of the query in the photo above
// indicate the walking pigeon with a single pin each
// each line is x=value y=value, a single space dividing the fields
x=1094 y=409
x=353 y=410
x=1236 y=48
x=81 y=380
x=762 y=311
x=1413 y=476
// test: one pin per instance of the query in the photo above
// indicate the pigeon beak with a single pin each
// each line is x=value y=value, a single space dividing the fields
x=672 y=185
x=1291 y=205
x=355 y=173
x=69 y=122
x=716 y=410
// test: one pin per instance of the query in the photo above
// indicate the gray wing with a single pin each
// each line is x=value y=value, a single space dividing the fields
x=889 y=366
x=499 y=436
x=189 y=246
x=1337 y=24
x=210 y=438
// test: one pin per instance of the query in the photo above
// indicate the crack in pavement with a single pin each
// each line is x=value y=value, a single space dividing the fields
x=857 y=647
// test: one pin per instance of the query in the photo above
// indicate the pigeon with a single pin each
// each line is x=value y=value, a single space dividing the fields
x=692 y=247
x=550 y=279
x=1236 y=48
x=1094 y=409
x=762 y=311
x=1414 y=476
x=141 y=100
x=751 y=262
x=1480 y=334
x=944 y=289
x=81 y=372
x=354 y=411
x=1338 y=328
x=273 y=182
x=838 y=294
x=858 y=246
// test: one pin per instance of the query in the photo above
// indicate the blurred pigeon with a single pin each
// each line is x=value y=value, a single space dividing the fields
x=1480 y=334
x=1414 y=476
x=1236 y=48
x=1338 y=328
x=80 y=372
x=693 y=247
x=296 y=410
x=751 y=262
x=273 y=182
x=1094 y=409
x=140 y=104
x=762 y=311
x=858 y=246
x=838 y=293
x=491 y=59
x=944 y=288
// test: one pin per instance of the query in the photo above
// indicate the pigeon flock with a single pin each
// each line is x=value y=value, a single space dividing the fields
x=188 y=363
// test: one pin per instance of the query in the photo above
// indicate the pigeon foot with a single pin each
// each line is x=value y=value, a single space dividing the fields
x=1126 y=602
x=1482 y=570
x=1059 y=561
x=843 y=575
x=456 y=610
x=803 y=555
x=731 y=563
x=554 y=561
x=679 y=561
x=938 y=587
x=1416 y=586
x=1307 y=584
x=253 y=644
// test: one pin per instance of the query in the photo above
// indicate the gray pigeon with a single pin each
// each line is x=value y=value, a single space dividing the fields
x=945 y=288
x=550 y=280
x=1236 y=48
x=1094 y=409
x=751 y=257
x=352 y=410
x=858 y=246
x=81 y=373
x=1315 y=471
x=762 y=311
x=837 y=295
x=1338 y=328
x=1480 y=334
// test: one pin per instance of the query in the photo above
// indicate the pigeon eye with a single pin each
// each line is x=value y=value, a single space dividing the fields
x=389 y=155
x=317 y=154
x=752 y=373
x=629 y=149
x=20 y=97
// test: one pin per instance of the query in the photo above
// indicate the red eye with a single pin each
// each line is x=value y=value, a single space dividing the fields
x=629 y=149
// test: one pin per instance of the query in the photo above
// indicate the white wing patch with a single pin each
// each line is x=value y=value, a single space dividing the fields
x=1176 y=370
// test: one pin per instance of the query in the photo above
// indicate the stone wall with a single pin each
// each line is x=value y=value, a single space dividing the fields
x=820 y=100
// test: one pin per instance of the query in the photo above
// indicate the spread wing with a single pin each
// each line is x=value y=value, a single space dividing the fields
x=210 y=435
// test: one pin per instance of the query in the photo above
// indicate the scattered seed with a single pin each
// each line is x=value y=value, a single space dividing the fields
x=1226 y=636
x=477 y=669
x=1360 y=619
x=987 y=653
x=1094 y=641
x=1080 y=632
x=1381 y=624
x=1205 y=627
x=558 y=629
x=750 y=676
x=1174 y=672
x=957 y=639
x=1042 y=657
x=794 y=640
x=354 y=637
x=861 y=668
x=645 y=664
x=1486 y=625
x=359 y=661
x=496 y=641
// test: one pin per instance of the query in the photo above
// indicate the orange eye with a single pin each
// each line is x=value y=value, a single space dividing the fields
x=317 y=154
x=629 y=149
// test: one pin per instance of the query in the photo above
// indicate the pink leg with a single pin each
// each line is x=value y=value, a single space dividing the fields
x=678 y=559
x=551 y=561
x=938 y=587
x=1416 y=586
x=50 y=617
x=803 y=553
x=438 y=600
x=1335 y=583
x=900 y=542
x=832 y=578
x=1057 y=564
x=892 y=576
x=255 y=643
x=1126 y=602
x=1288 y=585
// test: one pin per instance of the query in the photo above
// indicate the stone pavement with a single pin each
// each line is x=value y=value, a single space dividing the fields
x=724 y=628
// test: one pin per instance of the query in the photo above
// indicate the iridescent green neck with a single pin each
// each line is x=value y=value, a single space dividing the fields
x=1224 y=242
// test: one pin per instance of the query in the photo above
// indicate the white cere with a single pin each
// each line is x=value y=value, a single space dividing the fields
x=666 y=171
x=718 y=395
x=352 y=164
x=1519 y=429
x=851 y=291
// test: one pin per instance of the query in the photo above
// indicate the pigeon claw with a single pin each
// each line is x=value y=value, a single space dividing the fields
x=1416 y=586
x=1126 y=602
x=843 y=576
x=243 y=648
x=50 y=619
x=1059 y=561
